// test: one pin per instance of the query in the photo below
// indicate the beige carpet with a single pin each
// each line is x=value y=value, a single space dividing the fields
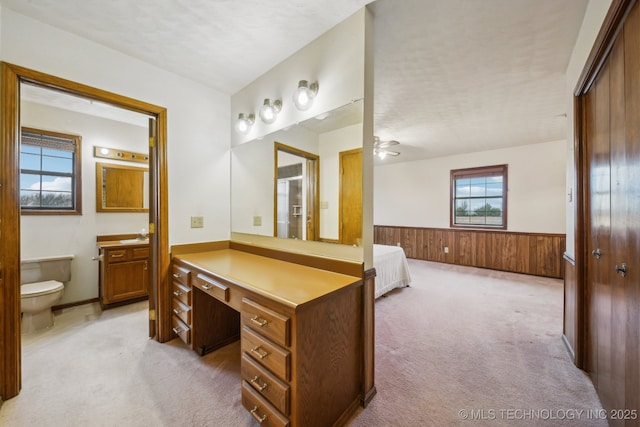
x=460 y=347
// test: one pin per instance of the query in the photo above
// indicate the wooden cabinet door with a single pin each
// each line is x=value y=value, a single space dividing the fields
x=125 y=280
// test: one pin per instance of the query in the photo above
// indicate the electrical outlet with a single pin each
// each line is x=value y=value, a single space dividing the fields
x=446 y=249
x=257 y=220
x=197 y=222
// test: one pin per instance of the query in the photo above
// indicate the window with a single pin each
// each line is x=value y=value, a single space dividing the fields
x=50 y=178
x=479 y=197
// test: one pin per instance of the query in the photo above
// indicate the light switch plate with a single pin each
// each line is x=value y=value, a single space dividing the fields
x=257 y=220
x=197 y=222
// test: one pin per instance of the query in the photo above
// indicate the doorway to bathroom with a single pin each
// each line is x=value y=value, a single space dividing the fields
x=13 y=79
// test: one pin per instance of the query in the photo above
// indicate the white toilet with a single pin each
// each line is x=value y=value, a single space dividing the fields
x=42 y=286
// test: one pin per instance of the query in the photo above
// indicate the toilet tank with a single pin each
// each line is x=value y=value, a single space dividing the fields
x=46 y=268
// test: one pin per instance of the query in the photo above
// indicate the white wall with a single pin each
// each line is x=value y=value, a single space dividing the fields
x=198 y=121
x=337 y=61
x=198 y=117
x=593 y=18
x=44 y=235
x=417 y=193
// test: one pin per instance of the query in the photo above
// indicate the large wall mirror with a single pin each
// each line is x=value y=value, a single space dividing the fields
x=289 y=183
x=121 y=188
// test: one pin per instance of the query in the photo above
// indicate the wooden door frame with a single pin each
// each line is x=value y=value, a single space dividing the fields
x=313 y=189
x=611 y=27
x=10 y=341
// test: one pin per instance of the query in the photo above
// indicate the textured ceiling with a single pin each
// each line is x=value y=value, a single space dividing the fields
x=451 y=76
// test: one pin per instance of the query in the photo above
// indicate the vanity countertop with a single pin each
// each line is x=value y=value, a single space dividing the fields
x=127 y=243
x=289 y=283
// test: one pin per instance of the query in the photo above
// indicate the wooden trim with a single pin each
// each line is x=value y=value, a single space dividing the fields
x=609 y=31
x=537 y=254
x=116 y=154
x=77 y=175
x=368 y=337
x=569 y=259
x=313 y=200
x=74 y=304
x=10 y=357
x=99 y=187
x=12 y=76
x=494 y=170
x=611 y=26
x=331 y=264
x=191 y=248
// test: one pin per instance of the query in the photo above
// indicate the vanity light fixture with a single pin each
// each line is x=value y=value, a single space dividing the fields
x=269 y=110
x=304 y=94
x=244 y=123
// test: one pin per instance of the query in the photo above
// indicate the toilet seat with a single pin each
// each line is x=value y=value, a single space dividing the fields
x=36 y=289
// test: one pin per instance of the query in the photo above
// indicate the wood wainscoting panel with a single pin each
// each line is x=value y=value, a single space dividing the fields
x=572 y=319
x=538 y=254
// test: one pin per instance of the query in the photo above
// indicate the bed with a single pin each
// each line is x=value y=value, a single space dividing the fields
x=392 y=269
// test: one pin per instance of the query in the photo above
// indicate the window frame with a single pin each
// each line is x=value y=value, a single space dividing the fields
x=76 y=185
x=477 y=172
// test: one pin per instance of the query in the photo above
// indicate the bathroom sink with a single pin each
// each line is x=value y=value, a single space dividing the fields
x=135 y=240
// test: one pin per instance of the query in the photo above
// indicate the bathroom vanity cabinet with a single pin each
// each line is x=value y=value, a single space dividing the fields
x=124 y=272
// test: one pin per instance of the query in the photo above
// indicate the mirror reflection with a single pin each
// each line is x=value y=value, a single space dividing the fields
x=289 y=184
x=121 y=188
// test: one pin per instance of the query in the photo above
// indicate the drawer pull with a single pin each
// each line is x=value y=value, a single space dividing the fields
x=177 y=330
x=177 y=275
x=178 y=311
x=256 y=350
x=259 y=322
x=177 y=293
x=258 y=418
x=254 y=380
x=207 y=287
x=117 y=255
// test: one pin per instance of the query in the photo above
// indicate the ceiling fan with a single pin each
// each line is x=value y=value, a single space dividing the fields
x=380 y=148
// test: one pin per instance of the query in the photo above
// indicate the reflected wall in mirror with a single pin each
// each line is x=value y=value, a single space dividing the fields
x=255 y=176
x=121 y=188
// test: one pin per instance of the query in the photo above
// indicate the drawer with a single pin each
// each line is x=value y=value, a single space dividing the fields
x=140 y=253
x=260 y=409
x=181 y=310
x=263 y=382
x=268 y=354
x=212 y=287
x=181 y=292
x=116 y=255
x=266 y=321
x=182 y=275
x=182 y=330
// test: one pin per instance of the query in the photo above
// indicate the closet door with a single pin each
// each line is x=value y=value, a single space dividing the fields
x=612 y=226
x=614 y=375
x=626 y=173
x=599 y=229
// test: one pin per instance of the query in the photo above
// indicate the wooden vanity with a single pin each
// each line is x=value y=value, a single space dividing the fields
x=124 y=270
x=300 y=329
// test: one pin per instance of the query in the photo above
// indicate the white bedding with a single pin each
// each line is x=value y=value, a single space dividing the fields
x=392 y=269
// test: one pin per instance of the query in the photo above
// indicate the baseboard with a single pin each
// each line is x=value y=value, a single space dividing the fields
x=74 y=304
x=569 y=348
x=368 y=397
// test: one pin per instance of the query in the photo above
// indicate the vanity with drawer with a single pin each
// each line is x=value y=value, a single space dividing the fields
x=124 y=271
x=300 y=331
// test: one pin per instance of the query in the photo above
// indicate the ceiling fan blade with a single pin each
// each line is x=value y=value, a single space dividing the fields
x=385 y=144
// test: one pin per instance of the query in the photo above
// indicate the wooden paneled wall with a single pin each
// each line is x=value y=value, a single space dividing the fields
x=529 y=253
x=571 y=330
